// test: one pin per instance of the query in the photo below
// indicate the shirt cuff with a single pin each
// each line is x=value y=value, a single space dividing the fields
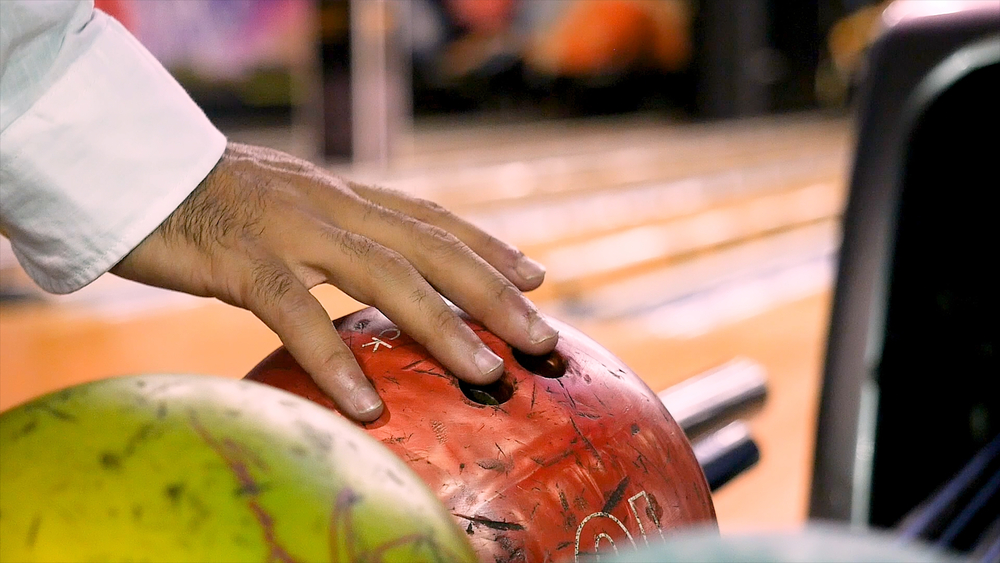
x=100 y=160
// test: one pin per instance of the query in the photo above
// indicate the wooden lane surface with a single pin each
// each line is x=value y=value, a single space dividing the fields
x=517 y=167
x=45 y=347
x=451 y=145
x=735 y=210
x=590 y=264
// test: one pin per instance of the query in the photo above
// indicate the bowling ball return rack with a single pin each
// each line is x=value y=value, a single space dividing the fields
x=711 y=407
x=908 y=435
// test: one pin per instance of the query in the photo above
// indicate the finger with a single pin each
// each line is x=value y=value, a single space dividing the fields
x=287 y=307
x=378 y=276
x=457 y=272
x=524 y=272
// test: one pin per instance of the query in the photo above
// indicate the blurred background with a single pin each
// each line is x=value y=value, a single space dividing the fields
x=678 y=165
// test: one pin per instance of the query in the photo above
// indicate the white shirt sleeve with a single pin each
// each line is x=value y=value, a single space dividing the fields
x=98 y=143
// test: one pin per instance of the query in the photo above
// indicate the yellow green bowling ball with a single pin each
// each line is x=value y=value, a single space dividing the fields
x=188 y=468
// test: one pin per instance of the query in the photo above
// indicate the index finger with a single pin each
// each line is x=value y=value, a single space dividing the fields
x=280 y=300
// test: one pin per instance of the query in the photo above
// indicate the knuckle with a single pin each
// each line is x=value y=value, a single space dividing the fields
x=328 y=186
x=422 y=209
x=503 y=292
x=437 y=241
x=271 y=284
x=375 y=212
x=388 y=266
x=392 y=264
x=292 y=307
x=419 y=295
x=447 y=322
x=433 y=208
x=333 y=356
x=381 y=264
x=357 y=247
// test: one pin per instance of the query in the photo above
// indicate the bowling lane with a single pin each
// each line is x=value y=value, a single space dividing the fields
x=678 y=247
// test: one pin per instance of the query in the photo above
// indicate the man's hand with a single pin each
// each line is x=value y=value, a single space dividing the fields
x=265 y=227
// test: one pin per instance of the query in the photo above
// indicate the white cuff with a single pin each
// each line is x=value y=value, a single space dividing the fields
x=100 y=160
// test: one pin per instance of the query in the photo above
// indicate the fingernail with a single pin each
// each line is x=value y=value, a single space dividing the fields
x=539 y=330
x=366 y=400
x=529 y=270
x=487 y=362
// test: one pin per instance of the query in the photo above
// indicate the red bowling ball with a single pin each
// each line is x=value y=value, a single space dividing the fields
x=566 y=455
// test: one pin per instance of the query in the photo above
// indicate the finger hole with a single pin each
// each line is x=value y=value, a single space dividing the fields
x=492 y=394
x=549 y=366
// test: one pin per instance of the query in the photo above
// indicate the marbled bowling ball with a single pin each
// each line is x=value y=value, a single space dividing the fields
x=565 y=455
x=187 y=468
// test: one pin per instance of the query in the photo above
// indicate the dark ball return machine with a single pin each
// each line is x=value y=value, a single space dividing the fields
x=909 y=423
x=908 y=436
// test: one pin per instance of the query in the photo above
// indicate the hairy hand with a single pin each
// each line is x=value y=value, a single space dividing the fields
x=265 y=227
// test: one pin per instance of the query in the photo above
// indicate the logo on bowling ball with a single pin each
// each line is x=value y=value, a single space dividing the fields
x=566 y=456
x=598 y=534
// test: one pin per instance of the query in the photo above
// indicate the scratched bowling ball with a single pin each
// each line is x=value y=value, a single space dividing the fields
x=187 y=468
x=567 y=455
